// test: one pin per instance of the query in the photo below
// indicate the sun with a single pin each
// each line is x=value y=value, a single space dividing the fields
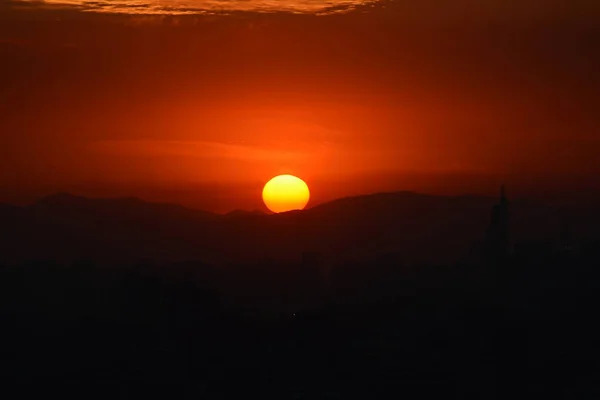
x=285 y=193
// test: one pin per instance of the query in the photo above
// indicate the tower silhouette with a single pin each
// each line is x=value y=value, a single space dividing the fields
x=497 y=241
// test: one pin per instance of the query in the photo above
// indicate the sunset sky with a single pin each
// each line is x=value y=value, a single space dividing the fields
x=201 y=102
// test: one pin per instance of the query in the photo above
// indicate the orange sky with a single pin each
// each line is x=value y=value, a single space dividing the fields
x=202 y=110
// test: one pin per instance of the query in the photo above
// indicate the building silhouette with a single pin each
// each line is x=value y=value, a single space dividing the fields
x=497 y=239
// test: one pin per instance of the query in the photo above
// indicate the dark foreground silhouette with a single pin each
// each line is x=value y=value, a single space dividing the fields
x=528 y=325
x=507 y=322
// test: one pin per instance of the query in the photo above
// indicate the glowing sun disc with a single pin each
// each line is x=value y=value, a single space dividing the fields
x=285 y=193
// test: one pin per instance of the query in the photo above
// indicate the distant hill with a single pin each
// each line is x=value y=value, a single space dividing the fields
x=416 y=226
x=245 y=213
x=127 y=207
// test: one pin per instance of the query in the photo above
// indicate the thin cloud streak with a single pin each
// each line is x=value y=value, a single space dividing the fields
x=187 y=7
x=197 y=149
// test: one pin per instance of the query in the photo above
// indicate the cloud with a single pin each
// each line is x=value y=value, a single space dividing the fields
x=479 y=13
x=198 y=149
x=183 y=7
x=203 y=160
x=236 y=160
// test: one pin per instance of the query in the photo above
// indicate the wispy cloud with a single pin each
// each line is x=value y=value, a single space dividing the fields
x=182 y=7
x=199 y=149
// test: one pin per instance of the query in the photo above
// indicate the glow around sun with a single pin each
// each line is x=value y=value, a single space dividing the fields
x=285 y=193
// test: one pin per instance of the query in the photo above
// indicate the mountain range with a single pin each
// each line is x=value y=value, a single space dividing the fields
x=414 y=226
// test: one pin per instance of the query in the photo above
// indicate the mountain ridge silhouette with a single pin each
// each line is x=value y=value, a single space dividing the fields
x=419 y=226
